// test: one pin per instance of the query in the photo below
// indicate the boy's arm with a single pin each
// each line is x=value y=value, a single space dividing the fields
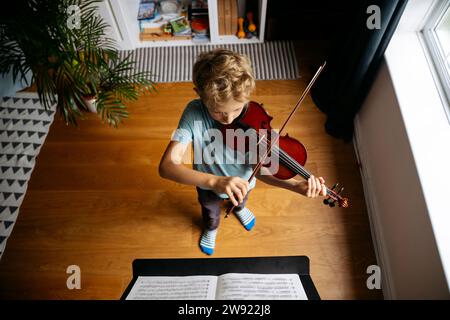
x=311 y=188
x=171 y=167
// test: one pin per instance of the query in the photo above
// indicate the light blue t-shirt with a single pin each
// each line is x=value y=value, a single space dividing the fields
x=211 y=155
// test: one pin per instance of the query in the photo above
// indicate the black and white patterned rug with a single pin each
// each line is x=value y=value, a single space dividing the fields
x=271 y=60
x=24 y=125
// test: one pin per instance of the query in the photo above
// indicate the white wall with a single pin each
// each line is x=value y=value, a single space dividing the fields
x=8 y=88
x=403 y=236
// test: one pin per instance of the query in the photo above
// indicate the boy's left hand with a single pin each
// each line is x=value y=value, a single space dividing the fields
x=312 y=188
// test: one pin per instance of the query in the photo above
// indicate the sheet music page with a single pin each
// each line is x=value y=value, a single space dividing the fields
x=174 y=288
x=250 y=286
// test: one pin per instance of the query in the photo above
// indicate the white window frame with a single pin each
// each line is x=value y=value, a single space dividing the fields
x=423 y=108
x=434 y=53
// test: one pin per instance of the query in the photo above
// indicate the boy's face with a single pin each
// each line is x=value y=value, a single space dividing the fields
x=227 y=112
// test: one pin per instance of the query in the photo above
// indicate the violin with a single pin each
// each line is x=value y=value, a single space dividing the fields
x=290 y=152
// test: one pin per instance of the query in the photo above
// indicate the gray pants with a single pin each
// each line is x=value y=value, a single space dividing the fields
x=211 y=206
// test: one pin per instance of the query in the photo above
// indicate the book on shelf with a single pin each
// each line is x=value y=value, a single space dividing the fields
x=234 y=18
x=146 y=9
x=229 y=286
x=227 y=15
x=161 y=37
x=157 y=24
x=180 y=26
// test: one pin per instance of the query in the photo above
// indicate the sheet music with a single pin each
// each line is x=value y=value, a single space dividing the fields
x=246 y=286
x=174 y=288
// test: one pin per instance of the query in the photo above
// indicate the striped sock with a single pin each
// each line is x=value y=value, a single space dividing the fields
x=247 y=218
x=208 y=241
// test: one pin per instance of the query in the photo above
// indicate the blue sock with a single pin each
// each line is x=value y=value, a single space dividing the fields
x=208 y=241
x=247 y=218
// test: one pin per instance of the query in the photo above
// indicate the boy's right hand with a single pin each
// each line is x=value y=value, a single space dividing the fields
x=235 y=187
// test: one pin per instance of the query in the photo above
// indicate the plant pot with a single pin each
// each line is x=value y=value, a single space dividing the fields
x=91 y=103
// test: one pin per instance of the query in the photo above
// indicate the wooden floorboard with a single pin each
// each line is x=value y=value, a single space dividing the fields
x=95 y=200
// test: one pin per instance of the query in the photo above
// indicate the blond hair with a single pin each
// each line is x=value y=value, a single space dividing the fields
x=221 y=75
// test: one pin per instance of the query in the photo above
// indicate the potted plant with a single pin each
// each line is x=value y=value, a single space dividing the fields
x=72 y=61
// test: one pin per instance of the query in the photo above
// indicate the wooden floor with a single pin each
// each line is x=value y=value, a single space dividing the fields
x=95 y=200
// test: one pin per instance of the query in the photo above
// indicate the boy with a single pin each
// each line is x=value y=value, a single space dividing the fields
x=224 y=81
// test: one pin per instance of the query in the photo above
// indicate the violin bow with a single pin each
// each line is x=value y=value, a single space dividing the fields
x=271 y=144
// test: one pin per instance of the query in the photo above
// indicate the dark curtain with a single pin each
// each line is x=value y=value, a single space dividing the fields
x=352 y=64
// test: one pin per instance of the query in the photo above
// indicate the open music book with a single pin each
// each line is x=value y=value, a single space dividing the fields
x=230 y=286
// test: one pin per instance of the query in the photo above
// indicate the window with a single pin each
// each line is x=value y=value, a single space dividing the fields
x=436 y=34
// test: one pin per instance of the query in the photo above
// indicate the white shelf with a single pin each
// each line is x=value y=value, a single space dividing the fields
x=121 y=15
x=234 y=39
x=221 y=39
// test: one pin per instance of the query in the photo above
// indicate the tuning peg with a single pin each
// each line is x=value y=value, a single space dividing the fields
x=329 y=202
x=335 y=186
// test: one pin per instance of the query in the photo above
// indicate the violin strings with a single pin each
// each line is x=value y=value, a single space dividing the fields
x=292 y=162
x=289 y=161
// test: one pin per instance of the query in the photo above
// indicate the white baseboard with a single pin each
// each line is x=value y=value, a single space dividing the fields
x=371 y=204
